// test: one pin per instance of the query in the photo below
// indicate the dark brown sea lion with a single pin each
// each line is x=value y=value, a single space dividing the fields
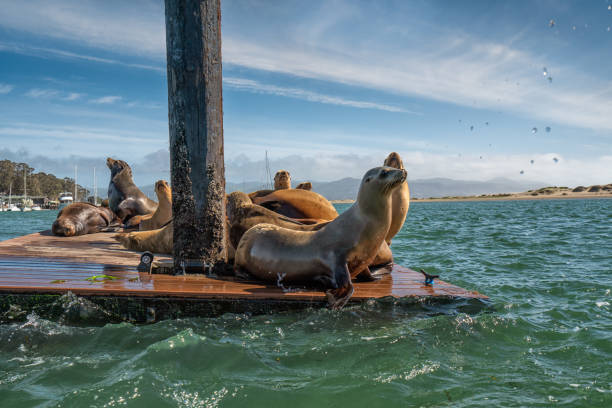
x=306 y=185
x=335 y=254
x=295 y=203
x=83 y=218
x=124 y=198
x=163 y=213
x=400 y=199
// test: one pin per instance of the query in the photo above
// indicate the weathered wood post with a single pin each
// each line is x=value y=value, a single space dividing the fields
x=195 y=116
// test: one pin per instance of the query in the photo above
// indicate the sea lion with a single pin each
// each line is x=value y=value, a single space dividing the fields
x=242 y=214
x=124 y=198
x=162 y=214
x=335 y=254
x=306 y=185
x=296 y=203
x=158 y=241
x=400 y=198
x=83 y=218
x=282 y=180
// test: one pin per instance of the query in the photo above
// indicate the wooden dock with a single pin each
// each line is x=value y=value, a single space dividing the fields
x=44 y=274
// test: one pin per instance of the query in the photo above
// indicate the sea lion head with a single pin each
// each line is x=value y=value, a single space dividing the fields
x=63 y=228
x=377 y=185
x=117 y=166
x=282 y=180
x=307 y=185
x=234 y=201
x=394 y=160
x=162 y=189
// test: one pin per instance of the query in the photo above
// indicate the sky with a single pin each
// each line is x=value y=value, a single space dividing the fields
x=463 y=90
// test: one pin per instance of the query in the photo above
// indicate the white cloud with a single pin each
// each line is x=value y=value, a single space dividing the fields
x=42 y=93
x=5 y=88
x=72 y=96
x=106 y=100
x=257 y=87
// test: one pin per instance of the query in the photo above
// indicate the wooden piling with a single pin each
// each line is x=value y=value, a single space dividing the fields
x=195 y=116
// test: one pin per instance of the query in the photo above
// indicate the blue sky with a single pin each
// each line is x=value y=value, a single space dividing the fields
x=328 y=88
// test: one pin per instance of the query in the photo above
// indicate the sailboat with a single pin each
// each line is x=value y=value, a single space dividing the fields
x=25 y=193
x=11 y=206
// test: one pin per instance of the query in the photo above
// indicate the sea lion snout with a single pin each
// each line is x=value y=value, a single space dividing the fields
x=63 y=228
x=394 y=160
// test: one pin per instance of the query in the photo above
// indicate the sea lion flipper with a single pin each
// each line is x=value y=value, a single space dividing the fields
x=336 y=298
x=366 y=276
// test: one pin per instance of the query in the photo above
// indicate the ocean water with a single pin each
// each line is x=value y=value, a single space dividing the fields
x=546 y=340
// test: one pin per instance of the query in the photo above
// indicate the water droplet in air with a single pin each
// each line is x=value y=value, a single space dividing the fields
x=471 y=127
x=574 y=28
x=547 y=129
x=555 y=159
x=544 y=71
x=522 y=172
x=531 y=161
x=551 y=23
x=550 y=79
x=534 y=130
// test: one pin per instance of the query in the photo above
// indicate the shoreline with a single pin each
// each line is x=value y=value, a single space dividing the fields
x=513 y=197
x=517 y=197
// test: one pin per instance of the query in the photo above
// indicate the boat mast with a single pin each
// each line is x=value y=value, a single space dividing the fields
x=95 y=189
x=25 y=186
x=10 y=193
x=75 y=184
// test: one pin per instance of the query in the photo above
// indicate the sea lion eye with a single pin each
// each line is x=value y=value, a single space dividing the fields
x=368 y=179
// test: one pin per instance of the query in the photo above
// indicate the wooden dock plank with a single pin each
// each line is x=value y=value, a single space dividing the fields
x=42 y=264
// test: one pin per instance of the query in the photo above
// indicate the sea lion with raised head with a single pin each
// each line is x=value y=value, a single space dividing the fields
x=335 y=254
x=83 y=218
x=124 y=198
x=306 y=185
x=400 y=199
x=162 y=214
x=282 y=181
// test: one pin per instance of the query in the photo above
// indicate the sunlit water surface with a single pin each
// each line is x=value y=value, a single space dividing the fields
x=545 y=264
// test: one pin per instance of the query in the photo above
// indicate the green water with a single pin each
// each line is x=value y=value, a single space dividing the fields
x=545 y=264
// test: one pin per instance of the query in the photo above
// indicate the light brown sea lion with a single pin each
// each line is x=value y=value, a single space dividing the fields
x=341 y=250
x=124 y=198
x=158 y=241
x=162 y=214
x=306 y=185
x=83 y=218
x=295 y=203
x=282 y=180
x=400 y=198
x=243 y=214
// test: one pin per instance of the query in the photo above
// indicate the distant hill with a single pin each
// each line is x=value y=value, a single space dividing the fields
x=347 y=188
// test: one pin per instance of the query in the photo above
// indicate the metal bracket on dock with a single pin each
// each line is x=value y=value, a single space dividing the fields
x=146 y=262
